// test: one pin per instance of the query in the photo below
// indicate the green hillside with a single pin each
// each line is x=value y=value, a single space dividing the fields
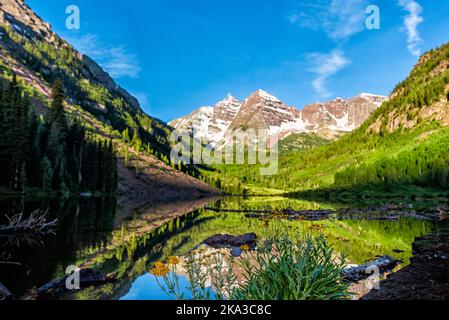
x=50 y=154
x=301 y=141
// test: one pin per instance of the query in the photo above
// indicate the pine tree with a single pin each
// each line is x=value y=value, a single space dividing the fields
x=47 y=173
x=49 y=154
x=57 y=113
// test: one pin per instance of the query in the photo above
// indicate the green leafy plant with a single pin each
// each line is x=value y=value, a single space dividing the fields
x=288 y=270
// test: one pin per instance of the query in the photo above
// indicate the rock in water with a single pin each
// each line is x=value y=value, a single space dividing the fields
x=245 y=239
x=219 y=241
x=236 y=252
x=228 y=241
x=91 y=277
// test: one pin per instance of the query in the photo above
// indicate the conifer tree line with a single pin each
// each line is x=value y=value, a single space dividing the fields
x=50 y=153
x=426 y=165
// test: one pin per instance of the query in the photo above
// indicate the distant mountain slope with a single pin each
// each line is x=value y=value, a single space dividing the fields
x=301 y=141
x=403 y=144
x=30 y=49
x=262 y=110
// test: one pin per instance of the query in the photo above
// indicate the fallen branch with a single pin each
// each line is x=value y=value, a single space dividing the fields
x=36 y=223
x=362 y=272
x=6 y=259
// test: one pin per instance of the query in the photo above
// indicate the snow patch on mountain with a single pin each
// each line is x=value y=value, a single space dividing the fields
x=265 y=95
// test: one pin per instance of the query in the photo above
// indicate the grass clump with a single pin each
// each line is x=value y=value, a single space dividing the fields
x=288 y=270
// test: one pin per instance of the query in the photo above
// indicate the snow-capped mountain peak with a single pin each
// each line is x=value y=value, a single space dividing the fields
x=374 y=98
x=210 y=123
x=265 y=95
x=262 y=110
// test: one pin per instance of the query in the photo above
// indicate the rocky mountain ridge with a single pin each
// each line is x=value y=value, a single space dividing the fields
x=262 y=110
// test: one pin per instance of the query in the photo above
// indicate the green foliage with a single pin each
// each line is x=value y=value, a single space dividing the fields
x=50 y=154
x=287 y=270
x=426 y=163
x=301 y=141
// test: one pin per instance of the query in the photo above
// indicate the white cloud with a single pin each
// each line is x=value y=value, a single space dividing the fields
x=115 y=60
x=324 y=67
x=411 y=23
x=339 y=19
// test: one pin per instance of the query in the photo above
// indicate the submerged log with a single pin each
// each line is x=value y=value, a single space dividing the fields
x=87 y=278
x=362 y=272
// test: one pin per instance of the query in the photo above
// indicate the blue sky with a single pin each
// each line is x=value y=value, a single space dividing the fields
x=177 y=55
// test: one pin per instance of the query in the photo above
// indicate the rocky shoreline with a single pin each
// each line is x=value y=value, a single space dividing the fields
x=387 y=212
x=426 y=278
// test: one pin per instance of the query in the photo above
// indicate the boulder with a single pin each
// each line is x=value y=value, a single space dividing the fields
x=228 y=241
x=245 y=239
x=236 y=252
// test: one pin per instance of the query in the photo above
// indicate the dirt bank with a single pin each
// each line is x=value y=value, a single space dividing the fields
x=426 y=278
x=148 y=182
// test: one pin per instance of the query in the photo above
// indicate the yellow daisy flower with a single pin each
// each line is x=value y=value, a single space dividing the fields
x=173 y=260
x=159 y=270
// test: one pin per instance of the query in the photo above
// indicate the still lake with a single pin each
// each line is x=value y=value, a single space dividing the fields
x=95 y=233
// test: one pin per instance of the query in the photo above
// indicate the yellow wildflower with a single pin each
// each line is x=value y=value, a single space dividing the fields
x=245 y=247
x=173 y=260
x=159 y=270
